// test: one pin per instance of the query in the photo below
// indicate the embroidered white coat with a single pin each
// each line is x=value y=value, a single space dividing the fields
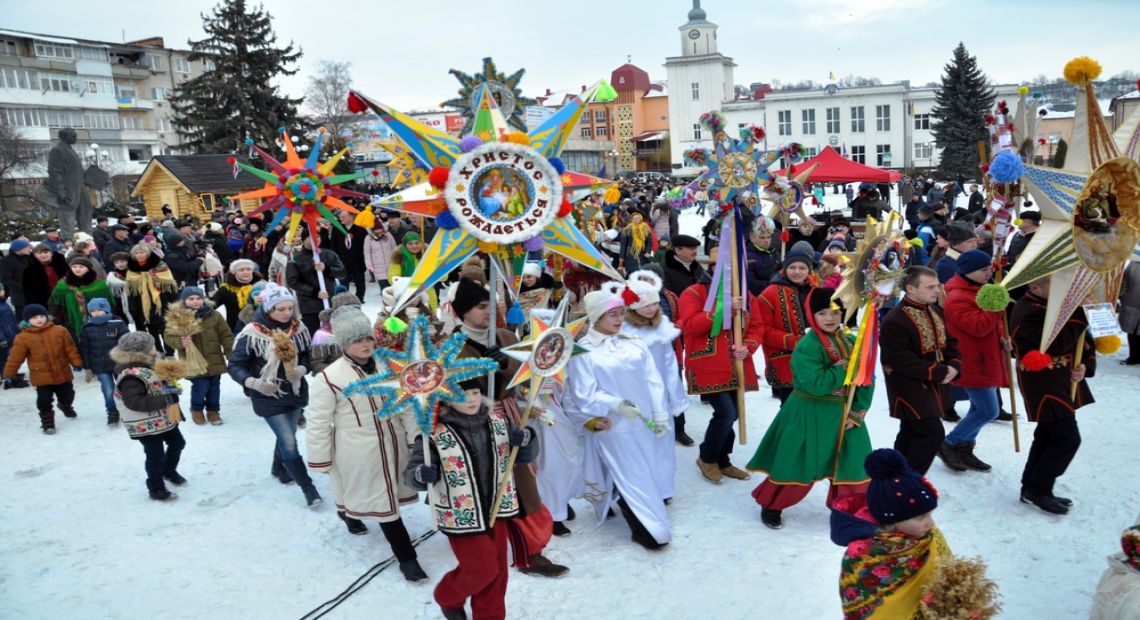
x=364 y=457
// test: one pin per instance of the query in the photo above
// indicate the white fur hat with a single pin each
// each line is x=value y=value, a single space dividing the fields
x=647 y=294
x=603 y=300
x=648 y=277
x=532 y=269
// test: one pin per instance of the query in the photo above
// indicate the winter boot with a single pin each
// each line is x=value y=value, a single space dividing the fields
x=162 y=495
x=296 y=468
x=175 y=478
x=570 y=513
x=198 y=417
x=638 y=533
x=1004 y=416
x=966 y=455
x=560 y=529
x=112 y=418
x=69 y=411
x=453 y=613
x=355 y=526
x=950 y=415
x=412 y=570
x=47 y=422
x=679 y=433
x=214 y=418
x=541 y=566
x=1048 y=503
x=710 y=471
x=1064 y=501
x=278 y=470
x=951 y=456
x=772 y=518
x=732 y=471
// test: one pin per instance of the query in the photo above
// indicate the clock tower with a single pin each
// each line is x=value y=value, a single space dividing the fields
x=700 y=80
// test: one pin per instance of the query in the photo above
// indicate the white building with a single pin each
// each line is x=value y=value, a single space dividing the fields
x=886 y=126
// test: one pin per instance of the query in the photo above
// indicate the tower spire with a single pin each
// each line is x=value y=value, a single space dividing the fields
x=696 y=13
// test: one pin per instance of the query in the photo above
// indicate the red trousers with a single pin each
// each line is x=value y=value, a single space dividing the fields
x=480 y=576
x=780 y=496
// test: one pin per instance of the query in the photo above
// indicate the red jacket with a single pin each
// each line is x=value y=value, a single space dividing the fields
x=978 y=332
x=782 y=315
x=709 y=366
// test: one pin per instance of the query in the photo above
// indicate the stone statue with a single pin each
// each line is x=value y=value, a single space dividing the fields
x=65 y=186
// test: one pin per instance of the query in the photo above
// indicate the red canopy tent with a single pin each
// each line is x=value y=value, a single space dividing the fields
x=835 y=168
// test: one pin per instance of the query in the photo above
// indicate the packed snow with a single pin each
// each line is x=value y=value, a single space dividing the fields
x=82 y=540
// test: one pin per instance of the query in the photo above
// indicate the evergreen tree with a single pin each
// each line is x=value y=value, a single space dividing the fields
x=216 y=111
x=960 y=105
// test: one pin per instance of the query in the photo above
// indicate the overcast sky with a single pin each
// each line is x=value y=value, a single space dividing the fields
x=401 y=50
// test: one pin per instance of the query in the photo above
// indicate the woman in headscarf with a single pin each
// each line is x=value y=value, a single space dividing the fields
x=151 y=287
x=405 y=259
x=637 y=244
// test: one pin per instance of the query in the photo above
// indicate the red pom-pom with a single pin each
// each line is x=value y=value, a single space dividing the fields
x=355 y=103
x=985 y=167
x=1036 y=360
x=629 y=297
x=1041 y=141
x=375 y=173
x=438 y=176
x=814 y=200
x=231 y=160
x=565 y=208
x=785 y=236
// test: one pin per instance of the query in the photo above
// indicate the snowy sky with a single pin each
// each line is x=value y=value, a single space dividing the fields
x=401 y=50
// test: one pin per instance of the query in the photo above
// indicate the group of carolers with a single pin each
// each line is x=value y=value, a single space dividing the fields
x=608 y=434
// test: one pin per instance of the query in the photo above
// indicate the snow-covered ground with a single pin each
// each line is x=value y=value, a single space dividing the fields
x=80 y=539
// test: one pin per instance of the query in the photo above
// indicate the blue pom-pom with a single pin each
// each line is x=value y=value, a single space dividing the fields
x=558 y=164
x=470 y=143
x=884 y=463
x=249 y=141
x=446 y=221
x=515 y=315
x=281 y=129
x=1007 y=167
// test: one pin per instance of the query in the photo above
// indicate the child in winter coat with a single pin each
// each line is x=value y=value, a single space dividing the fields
x=8 y=330
x=100 y=334
x=894 y=549
x=536 y=287
x=379 y=246
x=144 y=399
x=193 y=322
x=463 y=479
x=234 y=292
x=51 y=354
x=1118 y=593
x=326 y=349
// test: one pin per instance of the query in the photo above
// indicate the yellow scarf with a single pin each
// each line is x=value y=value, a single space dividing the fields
x=241 y=292
x=884 y=576
x=149 y=286
x=638 y=233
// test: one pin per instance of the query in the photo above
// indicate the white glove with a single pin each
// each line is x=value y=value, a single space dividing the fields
x=261 y=386
x=660 y=426
x=629 y=410
x=297 y=374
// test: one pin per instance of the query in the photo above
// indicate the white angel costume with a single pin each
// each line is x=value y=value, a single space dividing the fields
x=560 y=476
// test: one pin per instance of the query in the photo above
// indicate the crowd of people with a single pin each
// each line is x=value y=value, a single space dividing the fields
x=285 y=322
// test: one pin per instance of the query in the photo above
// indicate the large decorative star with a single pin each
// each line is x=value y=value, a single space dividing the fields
x=474 y=209
x=505 y=89
x=422 y=376
x=548 y=348
x=875 y=267
x=736 y=166
x=301 y=188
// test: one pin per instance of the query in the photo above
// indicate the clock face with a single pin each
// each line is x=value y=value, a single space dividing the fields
x=694 y=34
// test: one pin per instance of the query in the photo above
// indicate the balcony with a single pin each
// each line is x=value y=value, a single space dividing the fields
x=134 y=103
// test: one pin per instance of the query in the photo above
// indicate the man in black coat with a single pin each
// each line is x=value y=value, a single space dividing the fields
x=120 y=242
x=350 y=250
x=1048 y=394
x=101 y=233
x=182 y=258
x=918 y=356
x=763 y=259
x=301 y=277
x=1030 y=222
x=46 y=268
x=681 y=267
x=12 y=268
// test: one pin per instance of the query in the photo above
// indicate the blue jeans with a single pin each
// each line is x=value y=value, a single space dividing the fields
x=205 y=392
x=107 y=384
x=720 y=434
x=983 y=410
x=284 y=427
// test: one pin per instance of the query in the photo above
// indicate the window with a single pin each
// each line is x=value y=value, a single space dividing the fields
x=22 y=117
x=154 y=61
x=882 y=155
x=208 y=65
x=882 y=118
x=181 y=65
x=586 y=133
x=833 y=120
x=9 y=48
x=101 y=120
x=98 y=85
x=696 y=131
x=158 y=93
x=809 y=122
x=599 y=117
x=138 y=153
x=132 y=121
x=56 y=82
x=128 y=91
x=923 y=150
x=859 y=154
x=696 y=86
x=921 y=121
x=600 y=131
x=784 y=122
x=857 y=119
x=64 y=118
x=87 y=52
x=19 y=78
x=51 y=50
x=621 y=79
x=811 y=152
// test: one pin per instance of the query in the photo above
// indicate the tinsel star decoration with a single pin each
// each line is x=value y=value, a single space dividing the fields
x=300 y=188
x=549 y=347
x=505 y=89
x=421 y=376
x=735 y=166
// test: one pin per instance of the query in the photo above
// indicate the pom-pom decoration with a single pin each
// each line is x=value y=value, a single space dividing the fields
x=628 y=297
x=446 y=221
x=1036 y=360
x=885 y=463
x=438 y=177
x=785 y=236
x=1107 y=345
x=366 y=219
x=992 y=298
x=713 y=121
x=565 y=208
x=1007 y=167
x=470 y=143
x=612 y=195
x=1023 y=90
x=518 y=137
x=516 y=316
x=534 y=244
x=1081 y=70
x=558 y=164
x=355 y=103
x=393 y=325
x=1017 y=221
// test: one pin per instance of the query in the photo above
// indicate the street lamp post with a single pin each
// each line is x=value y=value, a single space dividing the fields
x=614 y=154
x=100 y=178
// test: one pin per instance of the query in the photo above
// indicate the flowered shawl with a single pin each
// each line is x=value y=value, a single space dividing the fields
x=883 y=576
